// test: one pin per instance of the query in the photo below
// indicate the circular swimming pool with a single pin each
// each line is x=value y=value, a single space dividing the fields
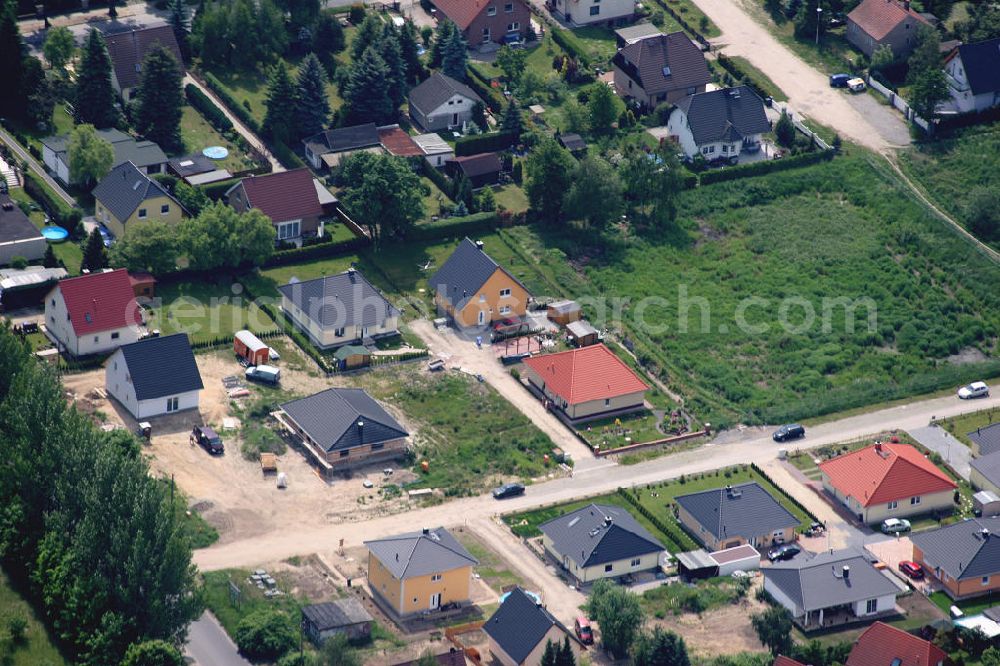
x=215 y=152
x=55 y=234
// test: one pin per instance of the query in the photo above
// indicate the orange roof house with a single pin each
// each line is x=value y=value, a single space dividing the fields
x=876 y=23
x=885 y=644
x=587 y=383
x=887 y=481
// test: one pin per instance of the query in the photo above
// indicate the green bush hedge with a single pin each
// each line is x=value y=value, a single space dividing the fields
x=571 y=45
x=679 y=541
x=438 y=177
x=767 y=166
x=234 y=106
x=680 y=19
x=59 y=211
x=288 y=158
x=313 y=252
x=455 y=226
x=745 y=77
x=484 y=88
x=216 y=191
x=484 y=143
x=213 y=114
x=801 y=507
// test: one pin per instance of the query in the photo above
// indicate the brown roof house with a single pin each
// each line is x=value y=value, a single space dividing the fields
x=661 y=68
x=481 y=170
x=877 y=22
x=487 y=22
x=290 y=198
x=127 y=50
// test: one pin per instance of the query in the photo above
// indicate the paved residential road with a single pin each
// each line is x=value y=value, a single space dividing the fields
x=954 y=452
x=209 y=645
x=33 y=164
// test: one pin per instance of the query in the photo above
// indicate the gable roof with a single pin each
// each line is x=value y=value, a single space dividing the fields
x=125 y=147
x=819 y=582
x=343 y=418
x=482 y=164
x=335 y=614
x=988 y=466
x=728 y=114
x=336 y=301
x=882 y=473
x=453 y=657
x=128 y=49
x=343 y=139
x=415 y=554
x=963 y=550
x=14 y=224
x=282 y=196
x=438 y=88
x=986 y=438
x=161 y=367
x=884 y=645
x=124 y=189
x=598 y=534
x=398 y=142
x=465 y=272
x=572 y=141
x=432 y=144
x=100 y=302
x=520 y=624
x=664 y=62
x=981 y=61
x=880 y=17
x=745 y=510
x=589 y=373
x=786 y=661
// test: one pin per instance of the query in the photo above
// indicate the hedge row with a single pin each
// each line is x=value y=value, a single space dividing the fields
x=484 y=143
x=212 y=113
x=801 y=507
x=234 y=106
x=569 y=43
x=313 y=252
x=455 y=226
x=680 y=541
x=438 y=177
x=59 y=211
x=684 y=24
x=288 y=158
x=483 y=86
x=766 y=166
x=215 y=191
x=744 y=77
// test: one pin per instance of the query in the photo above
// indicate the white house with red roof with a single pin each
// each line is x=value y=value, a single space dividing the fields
x=876 y=23
x=888 y=481
x=882 y=643
x=93 y=314
x=587 y=383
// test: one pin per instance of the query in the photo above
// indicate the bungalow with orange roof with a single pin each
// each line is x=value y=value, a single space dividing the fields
x=887 y=481
x=587 y=383
x=883 y=643
x=875 y=23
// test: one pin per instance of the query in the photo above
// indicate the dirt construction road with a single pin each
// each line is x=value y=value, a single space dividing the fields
x=856 y=117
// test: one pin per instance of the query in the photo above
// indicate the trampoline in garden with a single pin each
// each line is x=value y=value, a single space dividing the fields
x=215 y=153
x=54 y=234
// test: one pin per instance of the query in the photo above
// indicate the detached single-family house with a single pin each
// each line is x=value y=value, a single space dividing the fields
x=600 y=541
x=441 y=103
x=973 y=74
x=144 y=155
x=128 y=49
x=93 y=313
x=521 y=628
x=330 y=146
x=633 y=33
x=482 y=170
x=339 y=309
x=590 y=12
x=127 y=197
x=985 y=473
x=289 y=198
x=985 y=440
x=419 y=571
x=887 y=481
x=343 y=427
x=661 y=68
x=586 y=383
x=874 y=23
x=154 y=376
x=964 y=557
x=831 y=589
x=485 y=23
x=883 y=644
x=720 y=123
x=735 y=515
x=435 y=150
x=18 y=236
x=345 y=616
x=474 y=290
x=196 y=169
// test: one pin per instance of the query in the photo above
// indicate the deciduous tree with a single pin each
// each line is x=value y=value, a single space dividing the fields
x=152 y=247
x=549 y=169
x=382 y=193
x=266 y=634
x=222 y=238
x=928 y=85
x=90 y=157
x=157 y=111
x=603 y=106
x=652 y=184
x=95 y=96
x=511 y=62
x=152 y=653
x=774 y=629
x=618 y=613
x=59 y=48
x=595 y=196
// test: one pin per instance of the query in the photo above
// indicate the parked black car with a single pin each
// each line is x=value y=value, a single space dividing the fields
x=508 y=490
x=208 y=439
x=783 y=552
x=789 y=431
x=839 y=80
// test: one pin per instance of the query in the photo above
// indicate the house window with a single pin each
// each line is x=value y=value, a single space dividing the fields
x=509 y=8
x=725 y=148
x=505 y=293
x=985 y=580
x=288 y=230
x=871 y=606
x=635 y=562
x=513 y=27
x=142 y=213
x=607 y=402
x=173 y=404
x=594 y=11
x=338 y=332
x=165 y=209
x=893 y=504
x=607 y=568
x=114 y=336
x=53 y=302
x=436 y=577
x=492 y=11
x=915 y=500
x=482 y=298
x=97 y=339
x=504 y=309
x=345 y=453
x=378 y=447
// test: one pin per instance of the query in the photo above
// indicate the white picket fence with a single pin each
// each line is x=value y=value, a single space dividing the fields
x=900 y=104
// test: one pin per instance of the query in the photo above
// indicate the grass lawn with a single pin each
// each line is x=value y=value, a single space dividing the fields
x=702 y=596
x=612 y=433
x=493 y=569
x=205 y=311
x=831 y=56
x=436 y=203
x=199 y=533
x=950 y=169
x=760 y=77
x=69 y=252
x=37 y=649
x=691 y=13
x=198 y=135
x=599 y=42
x=961 y=426
x=969 y=607
x=512 y=198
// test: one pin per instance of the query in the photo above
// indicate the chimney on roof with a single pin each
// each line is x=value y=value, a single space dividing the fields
x=986 y=533
x=847 y=572
x=906 y=5
x=607 y=521
x=426 y=530
x=878 y=447
x=479 y=244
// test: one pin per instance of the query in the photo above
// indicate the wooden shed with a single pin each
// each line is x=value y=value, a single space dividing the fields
x=143 y=285
x=352 y=356
x=581 y=333
x=563 y=312
x=250 y=348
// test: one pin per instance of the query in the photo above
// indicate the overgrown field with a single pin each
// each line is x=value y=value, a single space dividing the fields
x=33 y=648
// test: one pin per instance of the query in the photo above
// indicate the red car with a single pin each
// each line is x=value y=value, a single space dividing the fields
x=911 y=569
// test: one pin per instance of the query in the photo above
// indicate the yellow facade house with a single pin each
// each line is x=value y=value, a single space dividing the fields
x=419 y=572
x=127 y=197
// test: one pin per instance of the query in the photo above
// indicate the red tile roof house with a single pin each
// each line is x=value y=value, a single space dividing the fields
x=586 y=384
x=888 y=481
x=486 y=23
x=93 y=314
x=289 y=198
x=884 y=645
x=877 y=22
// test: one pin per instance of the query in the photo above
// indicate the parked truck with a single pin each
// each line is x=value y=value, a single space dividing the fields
x=266 y=374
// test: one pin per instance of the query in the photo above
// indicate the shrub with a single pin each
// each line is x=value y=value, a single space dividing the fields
x=571 y=45
x=17 y=628
x=266 y=635
x=484 y=143
x=767 y=166
x=288 y=158
x=357 y=14
x=206 y=107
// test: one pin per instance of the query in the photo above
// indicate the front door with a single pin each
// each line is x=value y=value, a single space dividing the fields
x=364 y=332
x=435 y=601
x=482 y=317
x=454 y=119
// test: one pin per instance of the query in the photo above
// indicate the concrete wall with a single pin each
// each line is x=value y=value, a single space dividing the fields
x=58 y=324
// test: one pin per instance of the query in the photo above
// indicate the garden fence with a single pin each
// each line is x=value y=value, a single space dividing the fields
x=900 y=105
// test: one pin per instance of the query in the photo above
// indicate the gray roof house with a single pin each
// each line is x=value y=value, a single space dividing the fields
x=973 y=75
x=441 y=103
x=124 y=190
x=520 y=629
x=832 y=588
x=985 y=472
x=329 y=147
x=660 y=68
x=342 y=616
x=145 y=155
x=719 y=123
x=733 y=515
x=344 y=426
x=137 y=376
x=428 y=551
x=600 y=541
x=340 y=309
x=18 y=236
x=964 y=557
x=466 y=271
x=985 y=440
